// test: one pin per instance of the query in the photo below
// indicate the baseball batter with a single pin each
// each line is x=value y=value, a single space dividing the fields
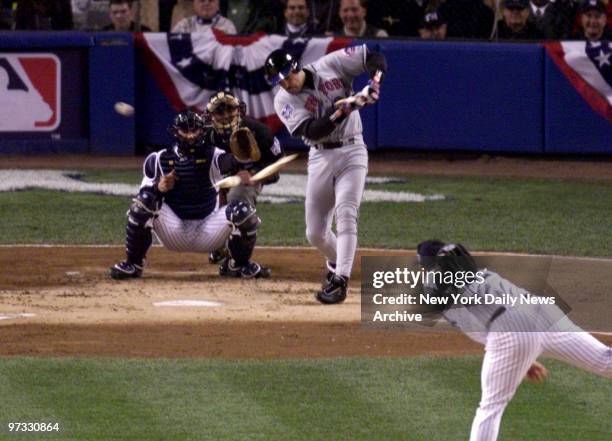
x=514 y=336
x=178 y=202
x=317 y=103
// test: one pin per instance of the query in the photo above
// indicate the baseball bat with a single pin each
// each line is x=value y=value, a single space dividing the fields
x=273 y=168
x=235 y=181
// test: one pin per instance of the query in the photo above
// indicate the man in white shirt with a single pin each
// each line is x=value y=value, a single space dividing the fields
x=207 y=15
x=296 y=14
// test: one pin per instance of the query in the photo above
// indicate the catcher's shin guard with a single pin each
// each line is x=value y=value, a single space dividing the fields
x=245 y=221
x=137 y=243
x=143 y=210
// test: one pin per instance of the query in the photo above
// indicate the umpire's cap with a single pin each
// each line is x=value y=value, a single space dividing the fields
x=279 y=65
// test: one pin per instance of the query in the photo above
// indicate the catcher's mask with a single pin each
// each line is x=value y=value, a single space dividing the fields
x=188 y=130
x=279 y=65
x=225 y=112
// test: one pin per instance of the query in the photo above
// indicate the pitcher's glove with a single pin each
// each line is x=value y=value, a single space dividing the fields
x=243 y=146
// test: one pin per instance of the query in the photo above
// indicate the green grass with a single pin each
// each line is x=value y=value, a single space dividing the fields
x=529 y=215
x=343 y=399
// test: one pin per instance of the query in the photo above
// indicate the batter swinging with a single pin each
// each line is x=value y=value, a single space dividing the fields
x=317 y=103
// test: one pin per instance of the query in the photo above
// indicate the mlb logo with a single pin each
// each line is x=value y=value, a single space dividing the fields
x=30 y=92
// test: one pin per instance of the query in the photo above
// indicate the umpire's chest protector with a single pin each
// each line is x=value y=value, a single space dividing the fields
x=193 y=195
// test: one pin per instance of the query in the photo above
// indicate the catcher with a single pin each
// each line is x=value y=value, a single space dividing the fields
x=178 y=203
x=249 y=140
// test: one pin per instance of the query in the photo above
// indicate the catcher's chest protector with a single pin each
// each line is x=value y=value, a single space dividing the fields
x=193 y=196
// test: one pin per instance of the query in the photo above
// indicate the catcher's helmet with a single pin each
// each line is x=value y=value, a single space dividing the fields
x=225 y=112
x=188 y=130
x=279 y=65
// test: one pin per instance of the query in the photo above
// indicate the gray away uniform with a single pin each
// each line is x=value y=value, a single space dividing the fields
x=337 y=163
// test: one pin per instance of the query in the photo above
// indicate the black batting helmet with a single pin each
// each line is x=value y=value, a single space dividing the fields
x=279 y=65
x=187 y=129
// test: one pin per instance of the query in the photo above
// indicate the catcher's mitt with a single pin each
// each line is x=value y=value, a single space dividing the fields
x=244 y=145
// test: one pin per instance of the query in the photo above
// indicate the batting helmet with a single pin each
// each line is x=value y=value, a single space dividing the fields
x=279 y=65
x=188 y=130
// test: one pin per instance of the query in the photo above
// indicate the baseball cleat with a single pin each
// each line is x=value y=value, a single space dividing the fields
x=125 y=270
x=331 y=270
x=217 y=256
x=251 y=270
x=334 y=291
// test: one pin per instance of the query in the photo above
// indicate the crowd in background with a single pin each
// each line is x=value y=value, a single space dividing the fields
x=426 y=19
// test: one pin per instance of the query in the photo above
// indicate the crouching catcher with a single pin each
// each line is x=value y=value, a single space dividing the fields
x=178 y=203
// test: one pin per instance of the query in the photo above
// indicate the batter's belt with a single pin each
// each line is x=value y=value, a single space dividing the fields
x=334 y=145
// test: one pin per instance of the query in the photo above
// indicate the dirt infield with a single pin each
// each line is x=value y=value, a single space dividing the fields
x=80 y=311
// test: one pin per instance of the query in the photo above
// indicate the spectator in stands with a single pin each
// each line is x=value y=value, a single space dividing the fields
x=296 y=23
x=552 y=19
x=6 y=14
x=593 y=20
x=515 y=24
x=43 y=15
x=324 y=17
x=433 y=26
x=353 y=15
x=399 y=17
x=165 y=14
x=90 y=15
x=122 y=17
x=206 y=15
x=467 y=18
x=251 y=16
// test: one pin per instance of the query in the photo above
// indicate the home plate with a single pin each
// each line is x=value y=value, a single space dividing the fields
x=204 y=303
x=14 y=316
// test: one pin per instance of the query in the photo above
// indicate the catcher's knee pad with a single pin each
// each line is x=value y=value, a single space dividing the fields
x=144 y=208
x=243 y=217
x=245 y=223
x=346 y=218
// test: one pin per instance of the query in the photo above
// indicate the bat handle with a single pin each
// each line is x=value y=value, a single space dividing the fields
x=378 y=76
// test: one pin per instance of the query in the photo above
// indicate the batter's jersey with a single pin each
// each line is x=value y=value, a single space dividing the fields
x=193 y=195
x=333 y=77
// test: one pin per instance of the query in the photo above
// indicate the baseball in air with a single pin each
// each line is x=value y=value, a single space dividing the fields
x=124 y=109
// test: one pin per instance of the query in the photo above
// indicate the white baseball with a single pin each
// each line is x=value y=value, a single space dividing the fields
x=124 y=109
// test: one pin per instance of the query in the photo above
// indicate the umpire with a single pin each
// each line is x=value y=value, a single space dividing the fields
x=249 y=140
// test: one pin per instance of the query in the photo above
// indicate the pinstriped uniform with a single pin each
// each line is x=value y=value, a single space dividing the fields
x=514 y=340
x=199 y=236
x=190 y=219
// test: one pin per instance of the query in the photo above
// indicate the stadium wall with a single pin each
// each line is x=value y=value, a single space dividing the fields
x=444 y=96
